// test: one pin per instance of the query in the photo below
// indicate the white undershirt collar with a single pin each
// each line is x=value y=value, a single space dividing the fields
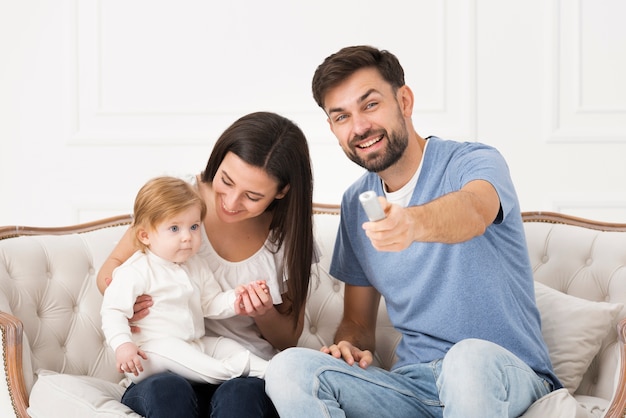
x=403 y=195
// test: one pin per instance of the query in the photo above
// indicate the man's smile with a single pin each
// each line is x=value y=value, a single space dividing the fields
x=371 y=142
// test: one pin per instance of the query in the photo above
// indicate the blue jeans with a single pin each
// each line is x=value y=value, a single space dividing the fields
x=167 y=395
x=476 y=379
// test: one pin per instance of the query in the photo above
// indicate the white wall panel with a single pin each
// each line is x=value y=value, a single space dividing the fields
x=145 y=87
x=534 y=101
x=587 y=114
x=97 y=96
x=162 y=71
x=589 y=63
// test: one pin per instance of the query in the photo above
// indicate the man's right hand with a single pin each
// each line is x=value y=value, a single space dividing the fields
x=350 y=354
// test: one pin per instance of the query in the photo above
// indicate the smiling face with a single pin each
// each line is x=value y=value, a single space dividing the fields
x=368 y=119
x=177 y=237
x=243 y=191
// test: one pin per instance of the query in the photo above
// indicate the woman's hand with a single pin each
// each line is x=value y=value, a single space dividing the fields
x=141 y=307
x=253 y=299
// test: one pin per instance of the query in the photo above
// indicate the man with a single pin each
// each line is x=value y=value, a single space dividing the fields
x=450 y=259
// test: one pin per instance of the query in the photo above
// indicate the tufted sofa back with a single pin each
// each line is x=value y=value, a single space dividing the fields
x=586 y=260
x=49 y=282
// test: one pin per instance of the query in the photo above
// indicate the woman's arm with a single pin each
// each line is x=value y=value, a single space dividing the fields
x=277 y=326
x=122 y=252
x=274 y=321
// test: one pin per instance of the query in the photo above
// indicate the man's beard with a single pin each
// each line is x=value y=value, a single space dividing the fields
x=376 y=162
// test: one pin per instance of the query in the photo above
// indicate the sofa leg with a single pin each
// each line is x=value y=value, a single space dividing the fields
x=14 y=393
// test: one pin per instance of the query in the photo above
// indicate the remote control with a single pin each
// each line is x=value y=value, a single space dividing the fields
x=373 y=209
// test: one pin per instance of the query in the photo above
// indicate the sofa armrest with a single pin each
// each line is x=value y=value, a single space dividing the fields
x=12 y=332
x=617 y=409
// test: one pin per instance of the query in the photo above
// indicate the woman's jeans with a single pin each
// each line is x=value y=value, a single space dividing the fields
x=167 y=395
x=476 y=379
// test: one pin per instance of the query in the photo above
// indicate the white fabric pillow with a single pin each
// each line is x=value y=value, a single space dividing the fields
x=557 y=404
x=63 y=395
x=573 y=329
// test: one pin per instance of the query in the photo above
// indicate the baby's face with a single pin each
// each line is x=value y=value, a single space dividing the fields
x=179 y=237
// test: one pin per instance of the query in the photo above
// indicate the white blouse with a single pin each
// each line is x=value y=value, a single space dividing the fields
x=263 y=265
x=266 y=264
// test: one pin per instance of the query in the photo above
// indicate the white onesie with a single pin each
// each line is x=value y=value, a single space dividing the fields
x=173 y=334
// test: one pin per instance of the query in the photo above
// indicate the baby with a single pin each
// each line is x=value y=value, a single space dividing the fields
x=168 y=215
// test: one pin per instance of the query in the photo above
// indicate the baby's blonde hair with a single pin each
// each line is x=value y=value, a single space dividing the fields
x=162 y=198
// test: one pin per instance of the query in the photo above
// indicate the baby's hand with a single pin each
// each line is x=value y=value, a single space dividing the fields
x=128 y=358
x=263 y=285
x=239 y=290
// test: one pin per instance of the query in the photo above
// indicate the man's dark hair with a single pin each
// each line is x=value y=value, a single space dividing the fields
x=342 y=64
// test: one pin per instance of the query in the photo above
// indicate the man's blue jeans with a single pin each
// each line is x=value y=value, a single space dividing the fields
x=476 y=379
x=167 y=395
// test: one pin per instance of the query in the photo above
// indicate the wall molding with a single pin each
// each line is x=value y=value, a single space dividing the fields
x=104 y=116
x=568 y=117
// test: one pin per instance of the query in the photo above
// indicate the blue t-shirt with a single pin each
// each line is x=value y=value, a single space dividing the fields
x=439 y=294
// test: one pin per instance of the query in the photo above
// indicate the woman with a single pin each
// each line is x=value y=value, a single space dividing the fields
x=258 y=189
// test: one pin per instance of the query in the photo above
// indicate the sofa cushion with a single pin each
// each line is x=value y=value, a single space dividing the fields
x=557 y=404
x=63 y=395
x=573 y=329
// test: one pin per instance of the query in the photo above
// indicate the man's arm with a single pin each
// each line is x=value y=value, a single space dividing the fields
x=360 y=310
x=355 y=339
x=456 y=217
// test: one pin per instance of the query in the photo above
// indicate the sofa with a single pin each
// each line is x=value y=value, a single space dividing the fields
x=56 y=361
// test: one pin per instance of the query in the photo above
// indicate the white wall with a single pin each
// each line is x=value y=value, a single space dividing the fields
x=97 y=96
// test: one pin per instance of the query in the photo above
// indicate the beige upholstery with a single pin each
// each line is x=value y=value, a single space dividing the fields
x=62 y=366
